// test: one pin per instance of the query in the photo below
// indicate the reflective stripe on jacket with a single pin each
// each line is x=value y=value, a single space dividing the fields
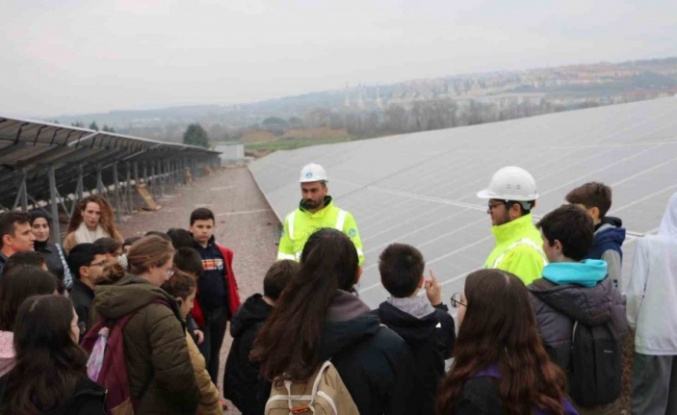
x=519 y=249
x=300 y=224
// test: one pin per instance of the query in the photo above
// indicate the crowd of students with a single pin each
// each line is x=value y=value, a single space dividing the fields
x=151 y=313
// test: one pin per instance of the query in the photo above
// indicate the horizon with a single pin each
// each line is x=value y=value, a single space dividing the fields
x=77 y=58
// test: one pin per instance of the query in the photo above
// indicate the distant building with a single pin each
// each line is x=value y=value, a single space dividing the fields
x=231 y=153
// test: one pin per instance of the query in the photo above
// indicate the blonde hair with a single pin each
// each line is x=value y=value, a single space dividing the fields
x=149 y=251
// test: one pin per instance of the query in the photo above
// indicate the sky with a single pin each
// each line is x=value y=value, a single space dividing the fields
x=75 y=56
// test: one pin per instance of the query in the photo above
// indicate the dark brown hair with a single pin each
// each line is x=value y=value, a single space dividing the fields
x=289 y=341
x=108 y=245
x=500 y=329
x=278 y=276
x=106 y=220
x=180 y=285
x=8 y=222
x=188 y=260
x=401 y=267
x=201 y=214
x=34 y=258
x=48 y=362
x=572 y=227
x=592 y=194
x=17 y=285
x=149 y=251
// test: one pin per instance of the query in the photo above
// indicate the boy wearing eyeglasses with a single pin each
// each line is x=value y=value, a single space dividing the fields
x=85 y=262
x=422 y=321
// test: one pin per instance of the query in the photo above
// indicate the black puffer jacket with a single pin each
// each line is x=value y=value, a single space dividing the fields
x=374 y=362
x=242 y=382
x=431 y=340
x=557 y=307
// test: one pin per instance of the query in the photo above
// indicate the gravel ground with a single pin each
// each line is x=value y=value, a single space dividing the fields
x=244 y=223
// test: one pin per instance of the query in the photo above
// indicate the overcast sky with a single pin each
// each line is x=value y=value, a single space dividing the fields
x=72 y=56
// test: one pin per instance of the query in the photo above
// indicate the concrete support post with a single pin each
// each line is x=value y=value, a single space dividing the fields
x=130 y=208
x=118 y=193
x=54 y=203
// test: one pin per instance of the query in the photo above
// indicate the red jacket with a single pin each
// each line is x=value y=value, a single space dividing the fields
x=233 y=292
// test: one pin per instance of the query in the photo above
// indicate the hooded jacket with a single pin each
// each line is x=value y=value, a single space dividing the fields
x=575 y=291
x=243 y=383
x=374 y=362
x=159 y=369
x=430 y=339
x=609 y=237
x=652 y=289
x=87 y=399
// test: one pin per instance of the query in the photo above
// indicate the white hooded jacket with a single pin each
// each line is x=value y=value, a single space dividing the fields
x=652 y=289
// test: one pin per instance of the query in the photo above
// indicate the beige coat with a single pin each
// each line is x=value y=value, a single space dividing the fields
x=210 y=398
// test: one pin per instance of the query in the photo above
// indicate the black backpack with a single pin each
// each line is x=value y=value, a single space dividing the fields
x=596 y=365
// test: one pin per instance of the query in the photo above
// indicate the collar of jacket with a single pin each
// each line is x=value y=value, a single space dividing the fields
x=586 y=273
x=328 y=203
x=516 y=227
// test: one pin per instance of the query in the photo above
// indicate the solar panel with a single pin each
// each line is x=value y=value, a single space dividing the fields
x=420 y=188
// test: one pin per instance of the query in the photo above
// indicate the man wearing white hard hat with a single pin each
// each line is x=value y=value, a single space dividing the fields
x=316 y=210
x=519 y=248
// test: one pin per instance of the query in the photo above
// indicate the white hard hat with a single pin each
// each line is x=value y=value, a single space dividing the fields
x=511 y=183
x=313 y=173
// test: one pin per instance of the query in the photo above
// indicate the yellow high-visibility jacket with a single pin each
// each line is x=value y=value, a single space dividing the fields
x=300 y=224
x=519 y=249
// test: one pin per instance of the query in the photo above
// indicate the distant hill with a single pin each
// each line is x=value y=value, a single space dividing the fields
x=601 y=83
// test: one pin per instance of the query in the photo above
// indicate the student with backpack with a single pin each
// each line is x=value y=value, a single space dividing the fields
x=146 y=324
x=424 y=323
x=242 y=383
x=595 y=198
x=50 y=376
x=500 y=365
x=580 y=314
x=183 y=287
x=320 y=333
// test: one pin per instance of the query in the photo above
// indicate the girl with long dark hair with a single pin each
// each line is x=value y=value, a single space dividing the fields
x=50 y=376
x=500 y=365
x=318 y=317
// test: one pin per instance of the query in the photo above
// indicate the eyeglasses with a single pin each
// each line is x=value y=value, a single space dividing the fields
x=456 y=300
x=491 y=206
x=170 y=272
x=101 y=263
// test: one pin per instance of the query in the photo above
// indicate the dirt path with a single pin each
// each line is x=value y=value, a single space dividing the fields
x=244 y=223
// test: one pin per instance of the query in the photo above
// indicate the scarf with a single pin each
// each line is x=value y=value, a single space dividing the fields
x=84 y=235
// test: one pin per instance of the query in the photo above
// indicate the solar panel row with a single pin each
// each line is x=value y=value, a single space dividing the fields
x=420 y=188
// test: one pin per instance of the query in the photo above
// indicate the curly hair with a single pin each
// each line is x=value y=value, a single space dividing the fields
x=106 y=221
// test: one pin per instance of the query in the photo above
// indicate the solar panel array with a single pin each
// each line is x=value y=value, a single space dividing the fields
x=28 y=148
x=421 y=188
